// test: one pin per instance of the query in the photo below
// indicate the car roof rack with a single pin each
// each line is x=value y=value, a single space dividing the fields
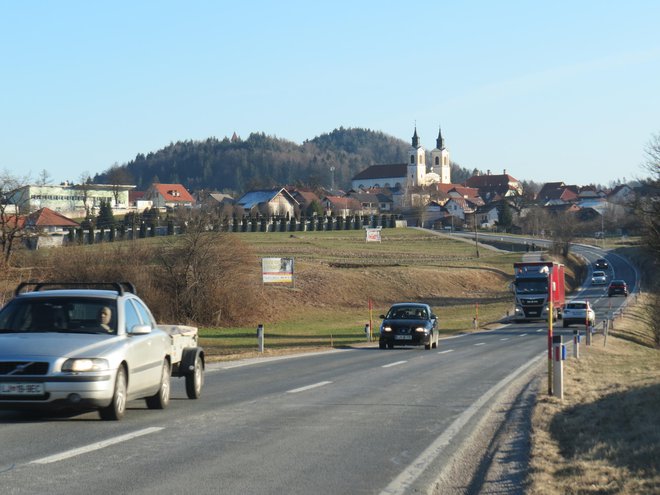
x=120 y=287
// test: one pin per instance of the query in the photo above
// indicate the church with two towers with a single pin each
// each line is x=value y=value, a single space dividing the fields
x=415 y=173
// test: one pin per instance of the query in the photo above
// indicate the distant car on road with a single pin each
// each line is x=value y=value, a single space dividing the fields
x=409 y=324
x=602 y=264
x=617 y=287
x=577 y=311
x=599 y=278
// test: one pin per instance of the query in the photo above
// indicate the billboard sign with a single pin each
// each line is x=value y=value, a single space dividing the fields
x=277 y=270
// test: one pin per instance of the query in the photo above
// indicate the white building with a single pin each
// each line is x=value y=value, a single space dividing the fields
x=71 y=199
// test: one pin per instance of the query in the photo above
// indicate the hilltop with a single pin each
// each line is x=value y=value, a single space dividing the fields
x=235 y=164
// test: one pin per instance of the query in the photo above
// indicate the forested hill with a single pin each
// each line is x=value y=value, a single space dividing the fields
x=262 y=161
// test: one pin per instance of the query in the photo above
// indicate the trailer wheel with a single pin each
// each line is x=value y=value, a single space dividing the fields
x=195 y=379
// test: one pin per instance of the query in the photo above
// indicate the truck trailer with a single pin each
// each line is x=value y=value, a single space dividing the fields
x=533 y=281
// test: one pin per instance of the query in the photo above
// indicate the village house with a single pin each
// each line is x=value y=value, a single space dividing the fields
x=163 y=196
x=269 y=202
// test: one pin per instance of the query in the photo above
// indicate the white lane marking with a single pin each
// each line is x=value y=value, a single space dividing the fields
x=445 y=352
x=308 y=387
x=540 y=329
x=96 y=446
x=480 y=343
x=396 y=363
x=402 y=483
x=522 y=335
x=505 y=338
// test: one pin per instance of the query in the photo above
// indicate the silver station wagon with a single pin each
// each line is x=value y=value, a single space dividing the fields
x=88 y=348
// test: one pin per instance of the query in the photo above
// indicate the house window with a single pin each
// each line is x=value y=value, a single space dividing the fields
x=412 y=158
x=437 y=161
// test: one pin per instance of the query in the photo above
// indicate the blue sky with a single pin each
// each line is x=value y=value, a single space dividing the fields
x=549 y=91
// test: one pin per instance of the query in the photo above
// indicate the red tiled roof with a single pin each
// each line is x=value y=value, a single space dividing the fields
x=45 y=217
x=174 y=193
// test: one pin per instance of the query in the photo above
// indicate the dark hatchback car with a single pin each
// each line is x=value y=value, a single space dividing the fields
x=602 y=264
x=409 y=324
x=617 y=287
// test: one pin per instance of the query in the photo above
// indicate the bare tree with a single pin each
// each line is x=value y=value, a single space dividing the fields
x=85 y=186
x=649 y=205
x=12 y=202
x=118 y=176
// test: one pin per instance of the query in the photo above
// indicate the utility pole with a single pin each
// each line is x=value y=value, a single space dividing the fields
x=476 y=235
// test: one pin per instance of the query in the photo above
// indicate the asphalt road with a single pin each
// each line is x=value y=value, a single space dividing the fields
x=342 y=422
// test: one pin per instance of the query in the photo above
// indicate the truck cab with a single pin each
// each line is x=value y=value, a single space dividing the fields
x=532 y=285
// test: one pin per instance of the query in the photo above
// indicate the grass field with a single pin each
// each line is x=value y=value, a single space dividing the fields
x=604 y=437
x=337 y=273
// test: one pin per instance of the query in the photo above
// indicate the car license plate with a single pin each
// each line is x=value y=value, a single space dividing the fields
x=403 y=337
x=21 y=388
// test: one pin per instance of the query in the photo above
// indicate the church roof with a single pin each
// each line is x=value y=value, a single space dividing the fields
x=391 y=171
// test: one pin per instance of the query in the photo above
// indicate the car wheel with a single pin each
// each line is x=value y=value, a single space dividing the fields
x=115 y=411
x=434 y=345
x=390 y=345
x=195 y=380
x=382 y=345
x=162 y=398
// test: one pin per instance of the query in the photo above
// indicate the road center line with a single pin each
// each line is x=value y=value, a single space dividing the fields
x=393 y=364
x=308 y=387
x=522 y=335
x=480 y=343
x=96 y=446
x=505 y=338
x=445 y=352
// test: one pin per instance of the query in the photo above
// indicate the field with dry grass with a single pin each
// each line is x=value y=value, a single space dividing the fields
x=604 y=437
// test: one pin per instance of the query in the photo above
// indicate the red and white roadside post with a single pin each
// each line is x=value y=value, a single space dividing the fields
x=587 y=325
x=576 y=344
x=559 y=355
x=550 y=337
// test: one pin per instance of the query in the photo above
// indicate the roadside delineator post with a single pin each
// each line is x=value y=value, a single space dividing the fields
x=260 y=337
x=367 y=332
x=559 y=355
x=576 y=344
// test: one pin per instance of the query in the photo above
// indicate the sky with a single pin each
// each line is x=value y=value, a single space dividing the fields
x=550 y=91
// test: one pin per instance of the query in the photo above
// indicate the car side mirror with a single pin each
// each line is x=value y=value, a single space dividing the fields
x=433 y=317
x=140 y=330
x=382 y=317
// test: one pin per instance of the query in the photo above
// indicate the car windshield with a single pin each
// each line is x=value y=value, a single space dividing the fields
x=407 y=313
x=599 y=274
x=576 y=306
x=59 y=314
x=532 y=286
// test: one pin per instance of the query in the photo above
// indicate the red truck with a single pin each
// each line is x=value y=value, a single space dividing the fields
x=532 y=282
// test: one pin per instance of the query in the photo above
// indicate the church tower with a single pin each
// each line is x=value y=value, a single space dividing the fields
x=440 y=160
x=416 y=163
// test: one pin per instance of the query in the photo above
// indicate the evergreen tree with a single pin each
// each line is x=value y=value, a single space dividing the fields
x=105 y=217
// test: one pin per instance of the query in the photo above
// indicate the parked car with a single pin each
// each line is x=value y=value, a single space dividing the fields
x=409 y=324
x=617 y=287
x=578 y=312
x=91 y=349
x=598 y=278
x=602 y=264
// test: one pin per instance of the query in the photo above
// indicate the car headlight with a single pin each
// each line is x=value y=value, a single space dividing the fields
x=386 y=329
x=85 y=364
x=421 y=329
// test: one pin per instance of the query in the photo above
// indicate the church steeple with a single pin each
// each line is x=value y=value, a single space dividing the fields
x=415 y=139
x=440 y=143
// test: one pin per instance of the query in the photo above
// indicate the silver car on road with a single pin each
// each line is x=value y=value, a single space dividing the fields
x=82 y=349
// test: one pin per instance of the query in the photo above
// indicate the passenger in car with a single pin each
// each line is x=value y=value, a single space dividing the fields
x=104 y=317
